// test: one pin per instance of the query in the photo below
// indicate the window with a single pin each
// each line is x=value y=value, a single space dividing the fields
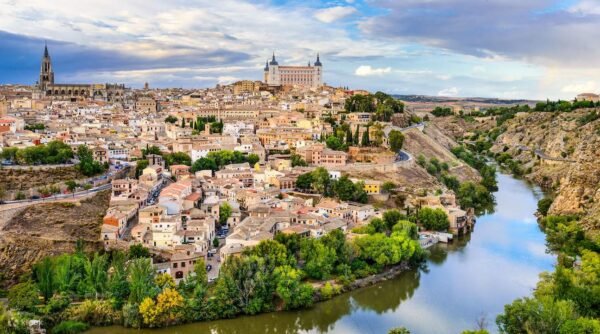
x=174 y=265
x=182 y=264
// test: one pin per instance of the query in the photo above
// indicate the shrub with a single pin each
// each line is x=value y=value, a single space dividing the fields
x=329 y=290
x=23 y=297
x=70 y=327
x=544 y=205
x=94 y=312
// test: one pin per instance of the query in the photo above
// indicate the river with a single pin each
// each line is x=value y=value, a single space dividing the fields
x=473 y=277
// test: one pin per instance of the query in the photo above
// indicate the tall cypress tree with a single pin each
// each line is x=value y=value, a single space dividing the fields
x=365 y=138
x=348 y=136
x=183 y=122
x=356 y=134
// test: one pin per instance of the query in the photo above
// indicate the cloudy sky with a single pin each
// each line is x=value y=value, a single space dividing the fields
x=491 y=48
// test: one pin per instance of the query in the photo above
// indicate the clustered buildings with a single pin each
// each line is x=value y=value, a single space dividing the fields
x=176 y=211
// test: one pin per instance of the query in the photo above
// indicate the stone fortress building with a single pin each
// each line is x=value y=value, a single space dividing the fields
x=308 y=76
x=99 y=92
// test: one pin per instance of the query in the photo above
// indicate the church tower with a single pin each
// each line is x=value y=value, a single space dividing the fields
x=46 y=72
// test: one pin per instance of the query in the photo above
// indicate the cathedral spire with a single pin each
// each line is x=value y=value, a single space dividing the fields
x=46 y=54
x=318 y=62
x=273 y=61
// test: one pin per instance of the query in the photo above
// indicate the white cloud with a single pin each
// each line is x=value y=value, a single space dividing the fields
x=581 y=87
x=225 y=80
x=453 y=91
x=367 y=70
x=332 y=14
x=586 y=7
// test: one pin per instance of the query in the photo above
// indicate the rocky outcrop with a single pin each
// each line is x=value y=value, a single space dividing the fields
x=49 y=229
x=561 y=155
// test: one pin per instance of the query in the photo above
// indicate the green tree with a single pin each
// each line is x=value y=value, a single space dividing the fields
x=475 y=196
x=304 y=181
x=433 y=219
x=319 y=259
x=543 y=205
x=407 y=227
x=140 y=275
x=224 y=213
x=23 y=297
x=117 y=285
x=392 y=217
x=530 y=315
x=140 y=165
x=334 y=143
x=399 y=330
x=388 y=186
x=349 y=140
x=204 y=164
x=343 y=188
x=96 y=277
x=87 y=165
x=215 y=242
x=178 y=158
x=297 y=161
x=290 y=289
x=44 y=277
x=321 y=180
x=253 y=159
x=71 y=185
x=356 y=134
x=137 y=251
x=171 y=119
x=365 y=138
x=396 y=140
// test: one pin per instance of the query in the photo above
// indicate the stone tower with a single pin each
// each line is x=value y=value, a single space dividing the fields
x=318 y=73
x=46 y=72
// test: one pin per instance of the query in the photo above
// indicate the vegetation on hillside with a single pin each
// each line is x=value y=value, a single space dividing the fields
x=381 y=105
x=123 y=288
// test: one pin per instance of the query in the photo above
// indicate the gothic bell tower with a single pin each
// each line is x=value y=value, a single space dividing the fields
x=46 y=72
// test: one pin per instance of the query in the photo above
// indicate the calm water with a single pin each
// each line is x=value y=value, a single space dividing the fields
x=475 y=276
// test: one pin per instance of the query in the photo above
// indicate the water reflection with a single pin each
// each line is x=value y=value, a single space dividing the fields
x=475 y=275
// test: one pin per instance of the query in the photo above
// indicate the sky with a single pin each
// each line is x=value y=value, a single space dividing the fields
x=534 y=49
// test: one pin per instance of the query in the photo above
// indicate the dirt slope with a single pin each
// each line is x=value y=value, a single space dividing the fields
x=49 y=229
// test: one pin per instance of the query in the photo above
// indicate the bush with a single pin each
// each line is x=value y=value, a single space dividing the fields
x=94 y=312
x=544 y=205
x=70 y=327
x=23 y=297
x=329 y=290
x=131 y=316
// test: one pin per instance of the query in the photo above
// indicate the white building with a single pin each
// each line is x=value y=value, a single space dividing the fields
x=307 y=76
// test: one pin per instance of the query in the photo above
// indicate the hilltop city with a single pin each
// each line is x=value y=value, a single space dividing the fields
x=153 y=207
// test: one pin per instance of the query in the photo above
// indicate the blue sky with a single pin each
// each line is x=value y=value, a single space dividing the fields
x=496 y=48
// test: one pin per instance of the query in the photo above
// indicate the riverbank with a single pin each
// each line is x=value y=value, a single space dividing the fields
x=474 y=276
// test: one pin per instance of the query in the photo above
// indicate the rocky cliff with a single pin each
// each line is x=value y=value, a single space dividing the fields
x=555 y=150
x=561 y=154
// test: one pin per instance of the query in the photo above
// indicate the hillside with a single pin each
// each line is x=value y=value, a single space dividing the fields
x=567 y=160
x=49 y=229
x=555 y=150
x=433 y=143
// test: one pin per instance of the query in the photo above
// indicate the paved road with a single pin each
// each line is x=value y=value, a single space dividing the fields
x=56 y=197
x=544 y=156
